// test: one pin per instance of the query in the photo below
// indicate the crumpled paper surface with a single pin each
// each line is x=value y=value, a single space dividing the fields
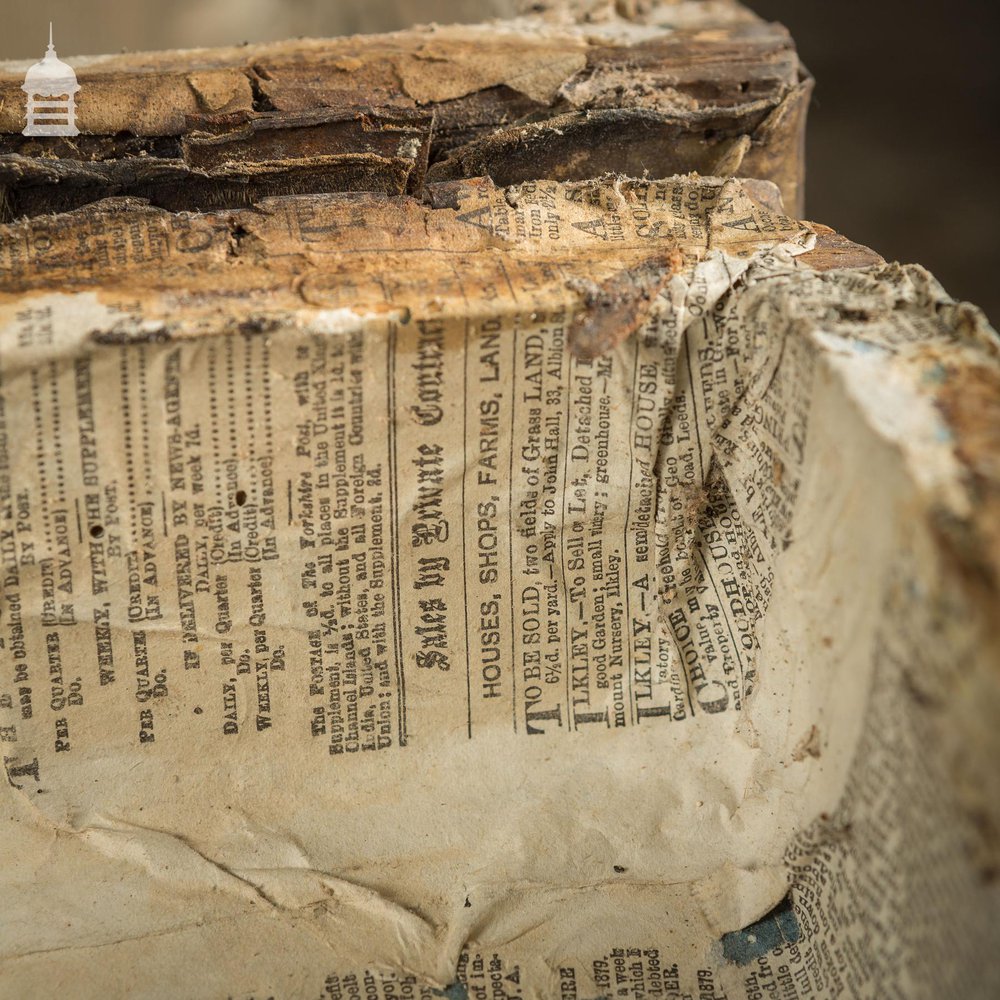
x=561 y=590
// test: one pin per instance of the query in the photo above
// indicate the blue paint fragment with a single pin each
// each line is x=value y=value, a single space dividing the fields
x=866 y=347
x=776 y=928
x=937 y=374
x=457 y=991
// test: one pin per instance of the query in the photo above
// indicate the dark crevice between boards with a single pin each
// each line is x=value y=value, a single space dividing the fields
x=261 y=99
x=236 y=159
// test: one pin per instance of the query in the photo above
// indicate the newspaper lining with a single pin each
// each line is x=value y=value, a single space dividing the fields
x=397 y=596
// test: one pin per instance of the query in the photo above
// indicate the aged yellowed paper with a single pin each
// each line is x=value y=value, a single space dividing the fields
x=517 y=593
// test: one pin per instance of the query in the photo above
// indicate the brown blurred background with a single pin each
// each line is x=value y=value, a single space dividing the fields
x=904 y=132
